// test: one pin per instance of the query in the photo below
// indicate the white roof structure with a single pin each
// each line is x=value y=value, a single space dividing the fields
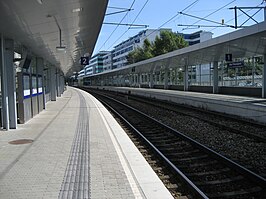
x=35 y=24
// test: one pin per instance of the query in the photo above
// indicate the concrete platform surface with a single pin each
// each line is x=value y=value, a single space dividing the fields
x=78 y=151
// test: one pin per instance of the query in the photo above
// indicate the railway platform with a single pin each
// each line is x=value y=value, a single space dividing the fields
x=74 y=149
x=250 y=108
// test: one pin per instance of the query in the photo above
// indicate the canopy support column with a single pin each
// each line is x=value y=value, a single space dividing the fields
x=215 y=77
x=264 y=78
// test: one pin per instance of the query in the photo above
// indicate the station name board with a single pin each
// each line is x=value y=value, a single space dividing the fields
x=237 y=64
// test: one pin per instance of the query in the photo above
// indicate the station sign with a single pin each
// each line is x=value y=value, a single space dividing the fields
x=228 y=57
x=237 y=64
x=84 y=60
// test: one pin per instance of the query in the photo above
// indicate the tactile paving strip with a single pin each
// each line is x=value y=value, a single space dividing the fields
x=76 y=179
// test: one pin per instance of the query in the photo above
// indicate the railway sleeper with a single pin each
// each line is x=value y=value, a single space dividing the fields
x=232 y=191
x=158 y=133
x=164 y=143
x=200 y=164
x=254 y=192
x=180 y=155
x=158 y=137
x=218 y=171
x=190 y=159
x=174 y=152
x=212 y=177
x=220 y=181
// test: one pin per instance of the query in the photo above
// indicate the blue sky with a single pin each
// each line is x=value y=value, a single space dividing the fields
x=156 y=12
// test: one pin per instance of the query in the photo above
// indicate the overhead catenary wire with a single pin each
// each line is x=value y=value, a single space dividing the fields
x=190 y=5
x=212 y=13
x=234 y=18
x=208 y=20
x=131 y=24
x=118 y=8
x=118 y=12
x=117 y=26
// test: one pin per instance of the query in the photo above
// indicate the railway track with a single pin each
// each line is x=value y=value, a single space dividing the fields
x=206 y=173
x=226 y=122
x=201 y=115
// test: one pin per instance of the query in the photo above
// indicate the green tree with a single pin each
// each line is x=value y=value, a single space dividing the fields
x=166 y=42
x=140 y=54
x=181 y=42
x=147 y=49
x=131 y=57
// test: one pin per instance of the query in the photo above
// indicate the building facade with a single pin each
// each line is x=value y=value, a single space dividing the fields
x=96 y=63
x=107 y=61
x=197 y=37
x=121 y=51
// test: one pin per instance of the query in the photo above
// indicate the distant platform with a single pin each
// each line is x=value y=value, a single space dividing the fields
x=246 y=107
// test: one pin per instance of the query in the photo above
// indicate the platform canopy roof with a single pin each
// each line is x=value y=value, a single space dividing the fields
x=36 y=25
x=248 y=42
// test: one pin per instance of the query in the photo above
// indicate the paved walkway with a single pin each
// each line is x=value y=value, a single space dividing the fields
x=78 y=151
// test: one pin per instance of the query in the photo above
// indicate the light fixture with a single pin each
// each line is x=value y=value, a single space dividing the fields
x=60 y=48
x=40 y=1
x=77 y=10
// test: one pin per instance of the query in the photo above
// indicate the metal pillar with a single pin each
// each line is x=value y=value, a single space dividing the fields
x=253 y=71
x=222 y=77
x=264 y=13
x=8 y=77
x=166 y=78
x=210 y=76
x=185 y=78
x=215 y=77
x=140 y=80
x=62 y=83
x=40 y=84
x=236 y=74
x=264 y=78
x=5 y=115
x=151 y=80
x=53 y=83
x=200 y=74
x=58 y=94
x=160 y=77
